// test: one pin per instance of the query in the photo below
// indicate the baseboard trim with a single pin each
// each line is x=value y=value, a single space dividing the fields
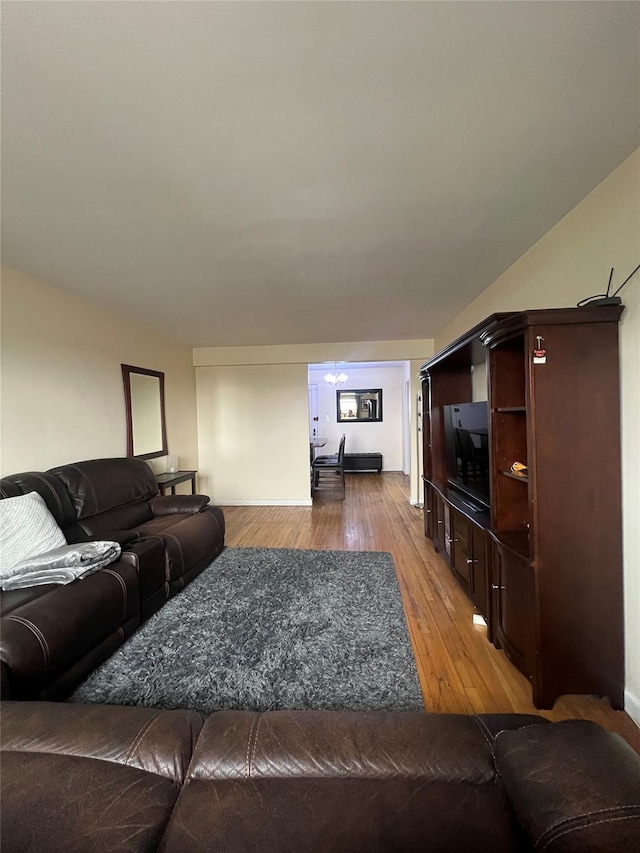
x=632 y=706
x=274 y=502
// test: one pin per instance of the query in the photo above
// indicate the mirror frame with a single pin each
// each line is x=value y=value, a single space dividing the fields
x=357 y=419
x=127 y=370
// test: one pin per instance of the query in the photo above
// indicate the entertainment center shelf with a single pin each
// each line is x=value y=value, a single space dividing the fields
x=539 y=553
x=522 y=477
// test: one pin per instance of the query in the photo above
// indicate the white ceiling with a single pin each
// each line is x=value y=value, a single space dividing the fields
x=287 y=172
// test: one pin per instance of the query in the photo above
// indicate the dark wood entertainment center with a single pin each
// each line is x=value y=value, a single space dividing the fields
x=542 y=562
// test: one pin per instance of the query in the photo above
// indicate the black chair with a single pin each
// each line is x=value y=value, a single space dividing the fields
x=327 y=472
x=474 y=461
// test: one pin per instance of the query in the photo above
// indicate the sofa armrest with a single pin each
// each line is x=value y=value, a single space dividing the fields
x=172 y=504
x=5 y=681
x=145 y=550
x=575 y=788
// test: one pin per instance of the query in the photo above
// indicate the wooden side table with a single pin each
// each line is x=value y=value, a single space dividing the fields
x=170 y=481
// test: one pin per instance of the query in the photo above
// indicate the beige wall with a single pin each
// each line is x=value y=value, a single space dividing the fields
x=62 y=392
x=272 y=382
x=569 y=263
x=250 y=420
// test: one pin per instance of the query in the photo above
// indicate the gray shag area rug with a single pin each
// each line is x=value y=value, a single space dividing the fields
x=267 y=629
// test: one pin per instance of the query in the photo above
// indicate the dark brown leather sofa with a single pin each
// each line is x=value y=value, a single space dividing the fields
x=88 y=779
x=51 y=637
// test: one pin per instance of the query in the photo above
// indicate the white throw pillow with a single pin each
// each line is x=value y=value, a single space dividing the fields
x=27 y=528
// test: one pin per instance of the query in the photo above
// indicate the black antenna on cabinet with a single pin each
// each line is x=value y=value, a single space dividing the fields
x=609 y=285
x=615 y=293
x=604 y=298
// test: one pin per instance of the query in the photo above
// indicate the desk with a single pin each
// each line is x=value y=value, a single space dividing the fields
x=314 y=443
x=170 y=481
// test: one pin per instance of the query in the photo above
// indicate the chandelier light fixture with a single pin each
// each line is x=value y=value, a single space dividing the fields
x=336 y=379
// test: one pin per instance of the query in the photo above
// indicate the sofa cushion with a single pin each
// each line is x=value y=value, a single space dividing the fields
x=14 y=598
x=103 y=807
x=159 y=742
x=354 y=780
x=98 y=485
x=50 y=488
x=28 y=529
x=125 y=517
x=103 y=778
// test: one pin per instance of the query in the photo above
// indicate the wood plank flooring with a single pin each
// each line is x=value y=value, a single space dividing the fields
x=460 y=671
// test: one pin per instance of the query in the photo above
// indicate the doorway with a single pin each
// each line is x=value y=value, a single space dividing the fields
x=313 y=410
x=390 y=436
x=406 y=429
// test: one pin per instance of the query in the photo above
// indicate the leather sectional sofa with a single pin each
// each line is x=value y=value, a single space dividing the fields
x=86 y=779
x=51 y=636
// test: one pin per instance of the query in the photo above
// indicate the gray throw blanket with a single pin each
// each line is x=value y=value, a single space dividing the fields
x=62 y=565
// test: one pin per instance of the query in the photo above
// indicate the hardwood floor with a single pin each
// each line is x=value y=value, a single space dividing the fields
x=460 y=671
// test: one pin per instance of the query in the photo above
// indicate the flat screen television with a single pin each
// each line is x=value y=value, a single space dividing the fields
x=466 y=432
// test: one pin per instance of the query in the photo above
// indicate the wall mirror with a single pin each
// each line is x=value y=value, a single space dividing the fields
x=144 y=401
x=362 y=405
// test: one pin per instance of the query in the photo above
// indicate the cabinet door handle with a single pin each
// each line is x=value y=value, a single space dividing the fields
x=496 y=586
x=450 y=540
x=469 y=562
x=440 y=521
x=428 y=511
